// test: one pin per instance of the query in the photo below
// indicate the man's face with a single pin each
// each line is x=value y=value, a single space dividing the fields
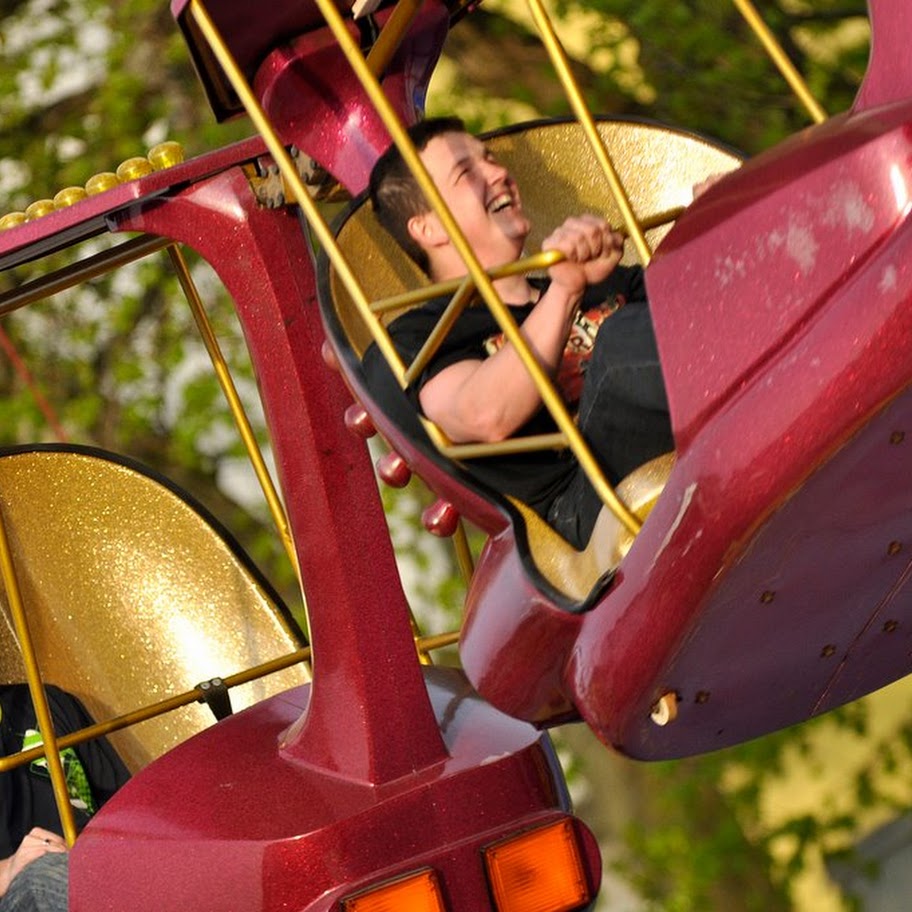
x=481 y=194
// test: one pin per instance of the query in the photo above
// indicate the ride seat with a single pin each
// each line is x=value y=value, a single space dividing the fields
x=133 y=595
x=558 y=176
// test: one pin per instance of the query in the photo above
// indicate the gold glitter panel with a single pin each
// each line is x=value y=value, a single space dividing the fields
x=131 y=597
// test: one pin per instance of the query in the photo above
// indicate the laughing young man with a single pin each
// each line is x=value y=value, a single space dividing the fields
x=587 y=323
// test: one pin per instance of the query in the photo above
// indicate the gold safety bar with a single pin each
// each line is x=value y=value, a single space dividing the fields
x=169 y=704
x=159 y=708
x=477 y=275
x=50 y=747
x=245 y=429
x=780 y=59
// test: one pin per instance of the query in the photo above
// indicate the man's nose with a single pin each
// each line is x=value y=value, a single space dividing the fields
x=495 y=171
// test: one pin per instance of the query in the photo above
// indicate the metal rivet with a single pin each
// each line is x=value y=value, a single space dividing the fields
x=897 y=437
x=666 y=710
x=890 y=626
x=767 y=596
x=827 y=651
x=894 y=548
x=702 y=697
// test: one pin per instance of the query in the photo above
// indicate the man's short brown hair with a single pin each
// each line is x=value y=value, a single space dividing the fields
x=394 y=192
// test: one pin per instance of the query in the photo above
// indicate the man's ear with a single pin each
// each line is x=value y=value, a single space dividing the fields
x=426 y=231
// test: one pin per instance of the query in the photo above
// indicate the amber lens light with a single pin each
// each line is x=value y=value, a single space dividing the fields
x=539 y=871
x=417 y=893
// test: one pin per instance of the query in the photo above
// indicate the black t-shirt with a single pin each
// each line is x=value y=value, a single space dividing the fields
x=535 y=478
x=26 y=795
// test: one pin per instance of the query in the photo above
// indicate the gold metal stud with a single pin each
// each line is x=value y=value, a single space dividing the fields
x=38 y=209
x=68 y=196
x=11 y=220
x=666 y=709
x=166 y=155
x=98 y=183
x=133 y=168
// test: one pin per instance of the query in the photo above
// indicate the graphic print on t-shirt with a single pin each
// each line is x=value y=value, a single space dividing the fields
x=578 y=349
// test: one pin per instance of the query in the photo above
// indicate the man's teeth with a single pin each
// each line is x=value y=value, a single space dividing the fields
x=500 y=202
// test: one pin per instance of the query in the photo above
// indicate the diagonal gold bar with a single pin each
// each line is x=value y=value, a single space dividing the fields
x=83 y=271
x=780 y=58
x=537 y=261
x=391 y=35
x=583 y=115
x=463 y=553
x=419 y=295
x=223 y=374
x=157 y=709
x=50 y=747
x=424 y=643
x=458 y=303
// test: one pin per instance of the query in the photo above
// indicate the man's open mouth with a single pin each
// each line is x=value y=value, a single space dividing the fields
x=500 y=202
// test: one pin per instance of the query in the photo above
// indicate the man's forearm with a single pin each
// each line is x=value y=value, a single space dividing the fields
x=489 y=400
x=5 y=865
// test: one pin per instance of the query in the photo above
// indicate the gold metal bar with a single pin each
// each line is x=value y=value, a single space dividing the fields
x=575 y=97
x=126 y=720
x=780 y=58
x=45 y=723
x=156 y=709
x=534 y=263
x=438 y=641
x=290 y=173
x=537 y=261
x=436 y=436
x=391 y=35
x=511 y=445
x=223 y=373
x=451 y=314
x=463 y=553
x=83 y=271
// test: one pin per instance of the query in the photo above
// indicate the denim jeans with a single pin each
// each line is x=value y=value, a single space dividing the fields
x=39 y=887
x=623 y=415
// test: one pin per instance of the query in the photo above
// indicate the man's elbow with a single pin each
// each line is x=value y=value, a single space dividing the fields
x=492 y=426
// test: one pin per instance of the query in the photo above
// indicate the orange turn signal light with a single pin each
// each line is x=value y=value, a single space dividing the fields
x=539 y=871
x=418 y=892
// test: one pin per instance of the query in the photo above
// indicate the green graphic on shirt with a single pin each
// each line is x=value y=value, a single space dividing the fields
x=77 y=782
